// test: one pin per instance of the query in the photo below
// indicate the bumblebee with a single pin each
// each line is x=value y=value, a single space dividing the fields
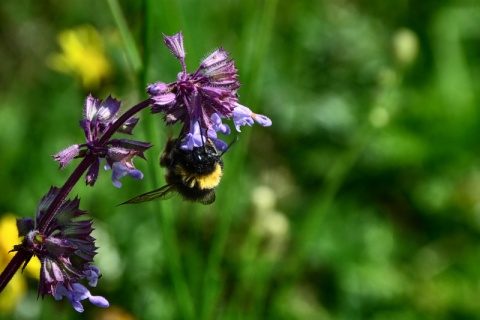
x=194 y=174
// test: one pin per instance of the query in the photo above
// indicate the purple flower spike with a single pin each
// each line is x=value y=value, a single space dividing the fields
x=202 y=98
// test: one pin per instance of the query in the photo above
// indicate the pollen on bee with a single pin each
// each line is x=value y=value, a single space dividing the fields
x=205 y=181
x=211 y=180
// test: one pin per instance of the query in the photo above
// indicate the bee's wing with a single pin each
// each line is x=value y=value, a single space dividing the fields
x=162 y=193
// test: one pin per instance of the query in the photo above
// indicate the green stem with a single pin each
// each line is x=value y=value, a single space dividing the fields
x=259 y=39
x=182 y=291
x=128 y=40
x=212 y=283
x=166 y=219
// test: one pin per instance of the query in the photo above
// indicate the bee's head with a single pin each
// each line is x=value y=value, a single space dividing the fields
x=205 y=153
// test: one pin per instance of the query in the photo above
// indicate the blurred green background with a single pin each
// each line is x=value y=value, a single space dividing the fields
x=360 y=202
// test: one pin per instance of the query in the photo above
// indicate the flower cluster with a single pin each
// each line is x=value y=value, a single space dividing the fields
x=118 y=153
x=65 y=251
x=58 y=235
x=202 y=99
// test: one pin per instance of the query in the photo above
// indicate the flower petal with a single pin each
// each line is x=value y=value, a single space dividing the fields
x=92 y=275
x=164 y=99
x=78 y=293
x=262 y=120
x=157 y=88
x=214 y=58
x=108 y=109
x=135 y=174
x=99 y=301
x=218 y=126
x=91 y=107
x=92 y=173
x=128 y=126
x=24 y=226
x=244 y=116
x=220 y=144
x=175 y=45
x=119 y=171
x=66 y=155
x=194 y=138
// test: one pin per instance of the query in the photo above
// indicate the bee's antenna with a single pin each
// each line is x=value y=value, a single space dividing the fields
x=228 y=147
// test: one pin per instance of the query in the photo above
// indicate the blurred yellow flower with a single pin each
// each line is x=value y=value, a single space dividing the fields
x=83 y=55
x=114 y=313
x=17 y=287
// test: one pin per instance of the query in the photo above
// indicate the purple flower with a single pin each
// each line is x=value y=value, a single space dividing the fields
x=119 y=171
x=242 y=116
x=200 y=100
x=98 y=118
x=219 y=144
x=193 y=139
x=197 y=137
x=77 y=293
x=65 y=250
x=92 y=275
x=218 y=126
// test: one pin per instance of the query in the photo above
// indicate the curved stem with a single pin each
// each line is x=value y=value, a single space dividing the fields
x=124 y=117
x=63 y=193
x=12 y=267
